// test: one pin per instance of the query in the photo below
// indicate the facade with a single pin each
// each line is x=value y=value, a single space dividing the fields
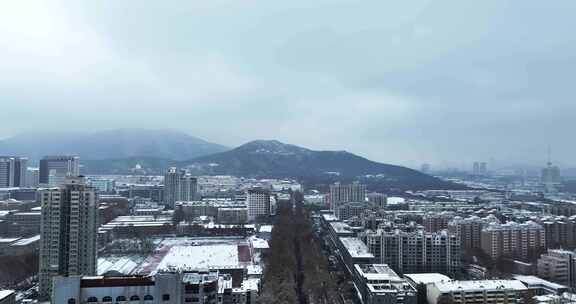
x=349 y=210
x=378 y=199
x=558 y=266
x=33 y=177
x=179 y=186
x=560 y=231
x=258 y=203
x=477 y=292
x=103 y=185
x=24 y=223
x=201 y=287
x=68 y=232
x=416 y=252
x=13 y=171
x=436 y=222
x=378 y=284
x=154 y=193
x=55 y=169
x=237 y=215
x=513 y=240
x=340 y=194
x=469 y=230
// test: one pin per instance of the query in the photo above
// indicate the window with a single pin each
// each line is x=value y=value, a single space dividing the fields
x=120 y=298
x=165 y=297
x=71 y=301
x=134 y=298
x=107 y=299
x=92 y=300
x=148 y=298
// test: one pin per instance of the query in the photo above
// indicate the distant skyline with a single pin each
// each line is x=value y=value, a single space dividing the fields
x=396 y=82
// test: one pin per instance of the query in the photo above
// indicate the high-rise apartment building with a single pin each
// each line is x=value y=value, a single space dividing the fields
x=179 y=186
x=434 y=222
x=469 y=230
x=32 y=177
x=513 y=240
x=558 y=266
x=378 y=199
x=340 y=194
x=258 y=203
x=416 y=252
x=13 y=171
x=68 y=232
x=55 y=169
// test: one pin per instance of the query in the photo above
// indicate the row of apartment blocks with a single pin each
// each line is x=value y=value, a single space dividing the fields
x=376 y=275
x=404 y=251
x=509 y=240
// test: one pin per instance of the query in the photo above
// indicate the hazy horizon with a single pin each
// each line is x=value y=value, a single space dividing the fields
x=402 y=83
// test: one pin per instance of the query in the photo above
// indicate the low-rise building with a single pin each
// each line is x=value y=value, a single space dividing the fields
x=477 y=292
x=378 y=284
x=558 y=266
x=539 y=286
x=202 y=287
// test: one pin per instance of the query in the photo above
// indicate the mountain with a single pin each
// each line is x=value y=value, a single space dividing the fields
x=111 y=144
x=271 y=158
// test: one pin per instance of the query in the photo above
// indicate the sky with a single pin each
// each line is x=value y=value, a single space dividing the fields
x=443 y=82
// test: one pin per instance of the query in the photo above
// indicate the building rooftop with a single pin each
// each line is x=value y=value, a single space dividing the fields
x=534 y=280
x=190 y=254
x=8 y=240
x=469 y=286
x=341 y=228
x=427 y=278
x=266 y=228
x=199 y=278
x=27 y=241
x=378 y=272
x=356 y=247
x=4 y=293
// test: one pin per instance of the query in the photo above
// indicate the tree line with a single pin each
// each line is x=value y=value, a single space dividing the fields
x=296 y=270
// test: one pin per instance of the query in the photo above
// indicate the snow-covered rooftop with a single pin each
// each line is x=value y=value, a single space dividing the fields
x=377 y=272
x=266 y=228
x=5 y=293
x=534 y=280
x=427 y=278
x=27 y=241
x=470 y=286
x=356 y=247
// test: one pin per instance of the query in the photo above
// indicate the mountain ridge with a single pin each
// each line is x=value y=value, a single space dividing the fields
x=110 y=144
x=272 y=158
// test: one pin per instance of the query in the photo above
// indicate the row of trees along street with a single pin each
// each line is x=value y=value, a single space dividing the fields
x=296 y=270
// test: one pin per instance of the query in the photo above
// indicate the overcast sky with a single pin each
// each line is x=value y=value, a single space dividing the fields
x=396 y=81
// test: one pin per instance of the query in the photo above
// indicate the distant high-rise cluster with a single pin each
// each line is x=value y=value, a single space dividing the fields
x=480 y=169
x=179 y=185
x=13 y=171
x=55 y=169
x=68 y=232
x=551 y=177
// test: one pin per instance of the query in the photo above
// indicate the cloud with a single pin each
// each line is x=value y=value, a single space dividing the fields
x=403 y=82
